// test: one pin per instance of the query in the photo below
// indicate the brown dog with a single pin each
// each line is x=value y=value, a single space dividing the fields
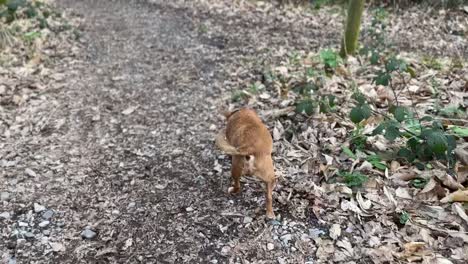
x=249 y=143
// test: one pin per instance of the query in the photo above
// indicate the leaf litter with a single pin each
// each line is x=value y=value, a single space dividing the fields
x=385 y=219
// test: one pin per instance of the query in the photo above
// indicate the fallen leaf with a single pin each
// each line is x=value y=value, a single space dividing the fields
x=458 y=196
x=129 y=110
x=403 y=193
x=335 y=231
x=457 y=207
x=365 y=204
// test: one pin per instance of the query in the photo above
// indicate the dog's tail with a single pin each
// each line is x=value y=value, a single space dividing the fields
x=228 y=114
x=226 y=147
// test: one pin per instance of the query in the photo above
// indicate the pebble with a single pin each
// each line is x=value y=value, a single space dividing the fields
x=38 y=208
x=4 y=196
x=270 y=246
x=225 y=250
x=189 y=209
x=46 y=232
x=30 y=172
x=131 y=205
x=88 y=234
x=48 y=214
x=44 y=223
x=56 y=247
x=29 y=235
x=248 y=220
x=5 y=215
x=23 y=224
x=176 y=152
x=286 y=238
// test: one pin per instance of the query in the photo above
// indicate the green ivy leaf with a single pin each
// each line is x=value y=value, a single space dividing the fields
x=360 y=113
x=406 y=154
x=401 y=113
x=348 y=152
x=437 y=142
x=382 y=78
x=359 y=97
x=375 y=56
x=378 y=130
x=392 y=64
x=419 y=183
x=354 y=179
x=306 y=106
x=404 y=217
x=460 y=131
x=426 y=118
x=392 y=131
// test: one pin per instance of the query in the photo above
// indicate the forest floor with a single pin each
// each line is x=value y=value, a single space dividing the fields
x=107 y=153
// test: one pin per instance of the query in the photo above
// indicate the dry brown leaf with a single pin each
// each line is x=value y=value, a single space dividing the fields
x=458 y=196
x=458 y=208
x=462 y=153
x=403 y=193
x=413 y=247
x=462 y=173
x=390 y=196
x=429 y=186
x=394 y=166
x=405 y=176
x=364 y=204
x=335 y=231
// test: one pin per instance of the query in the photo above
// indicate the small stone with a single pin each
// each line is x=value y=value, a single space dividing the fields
x=4 y=196
x=131 y=205
x=270 y=246
x=88 y=234
x=44 y=223
x=12 y=260
x=225 y=250
x=247 y=220
x=286 y=238
x=57 y=247
x=48 y=214
x=38 y=208
x=5 y=215
x=177 y=152
x=30 y=172
x=46 y=232
x=189 y=209
x=29 y=235
x=23 y=224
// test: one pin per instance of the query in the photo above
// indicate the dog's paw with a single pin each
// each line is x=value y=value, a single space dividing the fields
x=270 y=215
x=233 y=190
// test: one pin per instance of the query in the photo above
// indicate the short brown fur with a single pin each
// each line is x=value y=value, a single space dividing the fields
x=249 y=143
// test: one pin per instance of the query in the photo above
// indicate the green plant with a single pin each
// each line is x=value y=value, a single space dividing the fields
x=418 y=183
x=353 y=179
x=376 y=161
x=29 y=37
x=330 y=59
x=404 y=217
x=377 y=44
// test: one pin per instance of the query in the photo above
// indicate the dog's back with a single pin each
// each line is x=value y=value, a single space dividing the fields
x=245 y=130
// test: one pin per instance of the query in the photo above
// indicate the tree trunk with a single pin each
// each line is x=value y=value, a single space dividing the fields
x=353 y=25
